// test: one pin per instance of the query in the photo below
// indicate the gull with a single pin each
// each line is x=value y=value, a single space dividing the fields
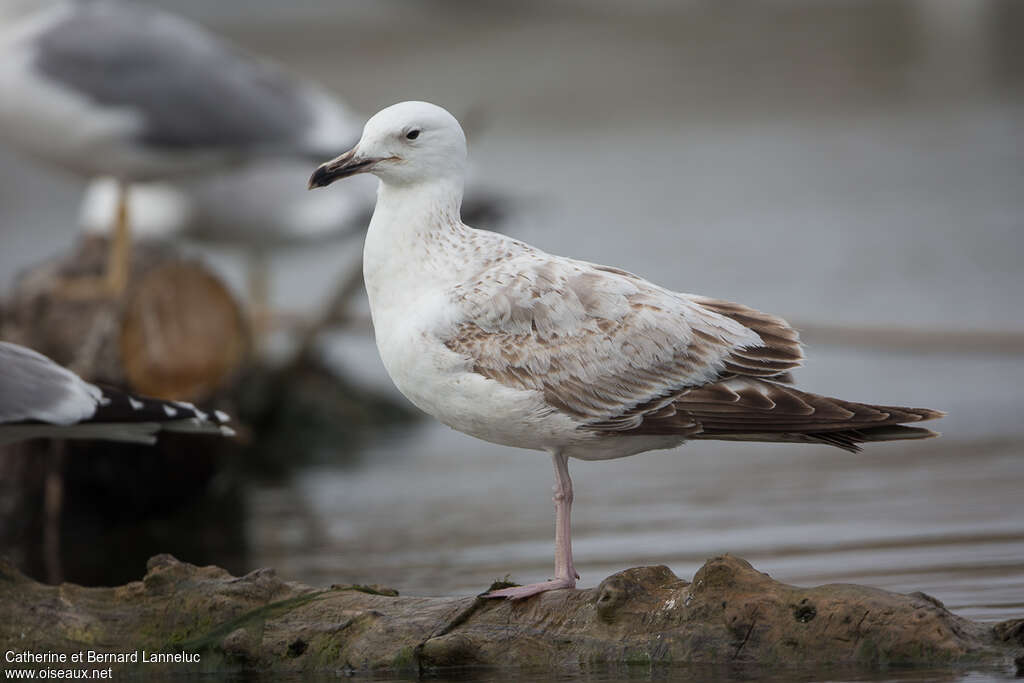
x=41 y=399
x=105 y=88
x=502 y=341
x=257 y=209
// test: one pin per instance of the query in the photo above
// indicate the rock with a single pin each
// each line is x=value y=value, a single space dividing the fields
x=730 y=614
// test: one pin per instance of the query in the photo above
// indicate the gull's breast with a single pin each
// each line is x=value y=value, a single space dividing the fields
x=443 y=383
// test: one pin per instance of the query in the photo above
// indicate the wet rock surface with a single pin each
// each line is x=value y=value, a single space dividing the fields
x=646 y=616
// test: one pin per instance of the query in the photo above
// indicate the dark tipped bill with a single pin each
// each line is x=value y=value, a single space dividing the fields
x=348 y=164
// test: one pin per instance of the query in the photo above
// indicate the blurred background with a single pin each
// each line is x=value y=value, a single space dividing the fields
x=855 y=166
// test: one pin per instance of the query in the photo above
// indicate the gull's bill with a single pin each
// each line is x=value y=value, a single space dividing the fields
x=348 y=164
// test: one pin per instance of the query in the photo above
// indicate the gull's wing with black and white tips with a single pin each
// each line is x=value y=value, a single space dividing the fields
x=41 y=399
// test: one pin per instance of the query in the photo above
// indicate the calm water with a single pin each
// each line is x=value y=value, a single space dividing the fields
x=434 y=514
x=847 y=163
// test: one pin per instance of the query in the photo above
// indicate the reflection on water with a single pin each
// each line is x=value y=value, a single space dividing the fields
x=439 y=514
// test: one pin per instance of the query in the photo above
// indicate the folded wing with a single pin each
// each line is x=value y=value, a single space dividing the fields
x=605 y=346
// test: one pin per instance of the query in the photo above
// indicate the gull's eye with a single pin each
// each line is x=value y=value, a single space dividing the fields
x=413 y=134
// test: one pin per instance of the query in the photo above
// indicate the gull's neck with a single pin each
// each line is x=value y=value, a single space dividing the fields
x=414 y=241
x=417 y=207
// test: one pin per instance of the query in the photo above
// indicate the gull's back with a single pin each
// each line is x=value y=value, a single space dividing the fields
x=34 y=388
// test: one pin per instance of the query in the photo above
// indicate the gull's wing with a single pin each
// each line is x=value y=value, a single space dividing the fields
x=189 y=88
x=34 y=388
x=606 y=346
x=39 y=398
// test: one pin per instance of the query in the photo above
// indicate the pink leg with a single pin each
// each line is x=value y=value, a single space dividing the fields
x=565 y=572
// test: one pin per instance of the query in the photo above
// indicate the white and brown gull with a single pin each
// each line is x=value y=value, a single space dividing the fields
x=505 y=342
x=41 y=399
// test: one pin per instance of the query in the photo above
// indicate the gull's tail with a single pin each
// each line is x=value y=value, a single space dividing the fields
x=847 y=439
x=747 y=409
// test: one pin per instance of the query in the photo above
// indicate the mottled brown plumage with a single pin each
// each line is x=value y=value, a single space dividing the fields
x=628 y=358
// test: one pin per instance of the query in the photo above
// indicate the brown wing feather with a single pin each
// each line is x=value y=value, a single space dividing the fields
x=780 y=352
x=604 y=346
x=749 y=409
x=848 y=440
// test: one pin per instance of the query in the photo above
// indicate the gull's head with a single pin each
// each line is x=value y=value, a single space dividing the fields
x=405 y=144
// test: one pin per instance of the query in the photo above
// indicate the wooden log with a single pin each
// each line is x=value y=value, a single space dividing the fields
x=176 y=333
x=729 y=615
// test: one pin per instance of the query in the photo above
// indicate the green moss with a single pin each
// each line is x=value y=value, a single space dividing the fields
x=83 y=635
x=868 y=652
x=637 y=658
x=505 y=582
x=213 y=636
x=371 y=590
x=157 y=632
x=323 y=652
x=405 y=659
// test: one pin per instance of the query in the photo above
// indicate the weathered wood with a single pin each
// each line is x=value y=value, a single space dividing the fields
x=182 y=333
x=177 y=332
x=645 y=616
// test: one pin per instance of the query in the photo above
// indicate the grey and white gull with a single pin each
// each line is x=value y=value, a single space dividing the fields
x=512 y=345
x=258 y=209
x=41 y=399
x=108 y=88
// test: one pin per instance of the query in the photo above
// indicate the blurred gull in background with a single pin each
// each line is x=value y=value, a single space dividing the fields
x=41 y=399
x=258 y=208
x=109 y=89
